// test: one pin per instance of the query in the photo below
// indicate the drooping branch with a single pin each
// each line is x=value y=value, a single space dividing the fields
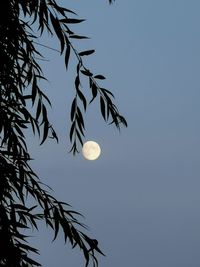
x=61 y=19
x=20 y=76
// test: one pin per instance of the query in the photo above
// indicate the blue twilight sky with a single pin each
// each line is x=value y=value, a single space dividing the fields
x=141 y=197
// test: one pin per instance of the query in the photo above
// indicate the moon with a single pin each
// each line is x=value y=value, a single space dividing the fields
x=91 y=150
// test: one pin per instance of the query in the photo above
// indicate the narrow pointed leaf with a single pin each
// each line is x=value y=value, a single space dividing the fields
x=73 y=109
x=75 y=36
x=67 y=55
x=103 y=108
x=87 y=52
x=71 y=21
x=100 y=77
x=83 y=99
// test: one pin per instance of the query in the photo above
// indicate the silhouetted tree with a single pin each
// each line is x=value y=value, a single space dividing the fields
x=22 y=23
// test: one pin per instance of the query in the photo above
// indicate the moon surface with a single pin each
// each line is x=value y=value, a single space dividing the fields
x=91 y=150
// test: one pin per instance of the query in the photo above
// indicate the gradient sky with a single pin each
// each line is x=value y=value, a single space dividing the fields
x=141 y=197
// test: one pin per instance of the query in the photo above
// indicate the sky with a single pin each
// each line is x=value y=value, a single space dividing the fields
x=141 y=198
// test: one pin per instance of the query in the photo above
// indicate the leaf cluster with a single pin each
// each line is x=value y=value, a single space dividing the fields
x=18 y=181
x=24 y=104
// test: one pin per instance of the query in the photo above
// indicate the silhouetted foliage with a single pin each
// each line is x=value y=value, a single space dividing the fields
x=20 y=74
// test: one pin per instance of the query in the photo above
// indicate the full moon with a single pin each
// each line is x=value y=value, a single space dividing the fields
x=91 y=150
